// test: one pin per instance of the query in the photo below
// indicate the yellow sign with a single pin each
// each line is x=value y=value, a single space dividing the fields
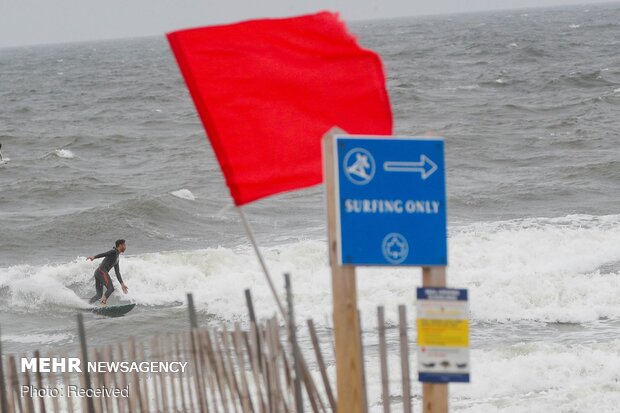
x=450 y=333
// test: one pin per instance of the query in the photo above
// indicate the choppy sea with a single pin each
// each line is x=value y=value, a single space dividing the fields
x=103 y=142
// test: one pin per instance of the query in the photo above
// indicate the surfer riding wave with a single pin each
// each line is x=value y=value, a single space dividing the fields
x=102 y=276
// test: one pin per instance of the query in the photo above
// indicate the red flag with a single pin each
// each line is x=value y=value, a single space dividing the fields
x=268 y=90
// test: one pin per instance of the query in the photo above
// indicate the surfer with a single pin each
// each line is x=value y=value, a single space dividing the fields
x=102 y=276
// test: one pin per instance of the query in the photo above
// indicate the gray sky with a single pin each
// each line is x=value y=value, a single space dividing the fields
x=24 y=22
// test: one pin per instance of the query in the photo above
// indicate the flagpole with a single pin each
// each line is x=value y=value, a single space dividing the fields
x=250 y=235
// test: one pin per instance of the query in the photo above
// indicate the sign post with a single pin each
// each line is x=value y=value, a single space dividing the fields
x=386 y=206
x=434 y=396
x=344 y=294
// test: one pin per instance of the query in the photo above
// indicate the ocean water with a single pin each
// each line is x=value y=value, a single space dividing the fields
x=104 y=143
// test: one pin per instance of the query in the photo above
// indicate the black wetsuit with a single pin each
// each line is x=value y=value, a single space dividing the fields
x=102 y=276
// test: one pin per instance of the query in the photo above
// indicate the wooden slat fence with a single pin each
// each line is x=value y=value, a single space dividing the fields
x=227 y=370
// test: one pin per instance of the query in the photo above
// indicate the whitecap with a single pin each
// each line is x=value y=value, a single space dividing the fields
x=565 y=258
x=38 y=338
x=467 y=87
x=184 y=194
x=64 y=153
x=617 y=90
x=574 y=26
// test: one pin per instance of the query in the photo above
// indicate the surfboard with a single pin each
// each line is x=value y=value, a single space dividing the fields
x=113 y=310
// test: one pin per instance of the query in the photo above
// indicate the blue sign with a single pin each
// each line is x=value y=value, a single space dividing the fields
x=391 y=201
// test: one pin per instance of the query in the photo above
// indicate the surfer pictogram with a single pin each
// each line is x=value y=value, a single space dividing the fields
x=359 y=166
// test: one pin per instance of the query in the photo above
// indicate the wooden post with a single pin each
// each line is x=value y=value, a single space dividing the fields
x=254 y=349
x=156 y=354
x=66 y=381
x=434 y=396
x=111 y=380
x=29 y=403
x=199 y=382
x=237 y=341
x=119 y=378
x=346 y=323
x=136 y=393
x=363 y=363
x=102 y=402
x=292 y=334
x=228 y=379
x=216 y=369
x=4 y=405
x=274 y=333
x=313 y=394
x=248 y=300
x=89 y=400
x=145 y=389
x=268 y=370
x=193 y=320
x=404 y=358
x=14 y=386
x=207 y=368
x=230 y=368
x=51 y=380
x=321 y=363
x=385 y=380
x=168 y=347
x=155 y=392
x=177 y=349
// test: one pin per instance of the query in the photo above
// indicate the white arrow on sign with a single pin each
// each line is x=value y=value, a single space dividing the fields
x=425 y=167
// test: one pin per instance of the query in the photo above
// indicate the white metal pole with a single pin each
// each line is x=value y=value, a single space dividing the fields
x=250 y=235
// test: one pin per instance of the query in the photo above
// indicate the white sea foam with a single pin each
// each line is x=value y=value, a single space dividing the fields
x=617 y=90
x=523 y=378
x=542 y=377
x=184 y=194
x=574 y=26
x=539 y=269
x=64 y=153
x=38 y=338
x=548 y=269
x=467 y=87
x=555 y=270
x=39 y=287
